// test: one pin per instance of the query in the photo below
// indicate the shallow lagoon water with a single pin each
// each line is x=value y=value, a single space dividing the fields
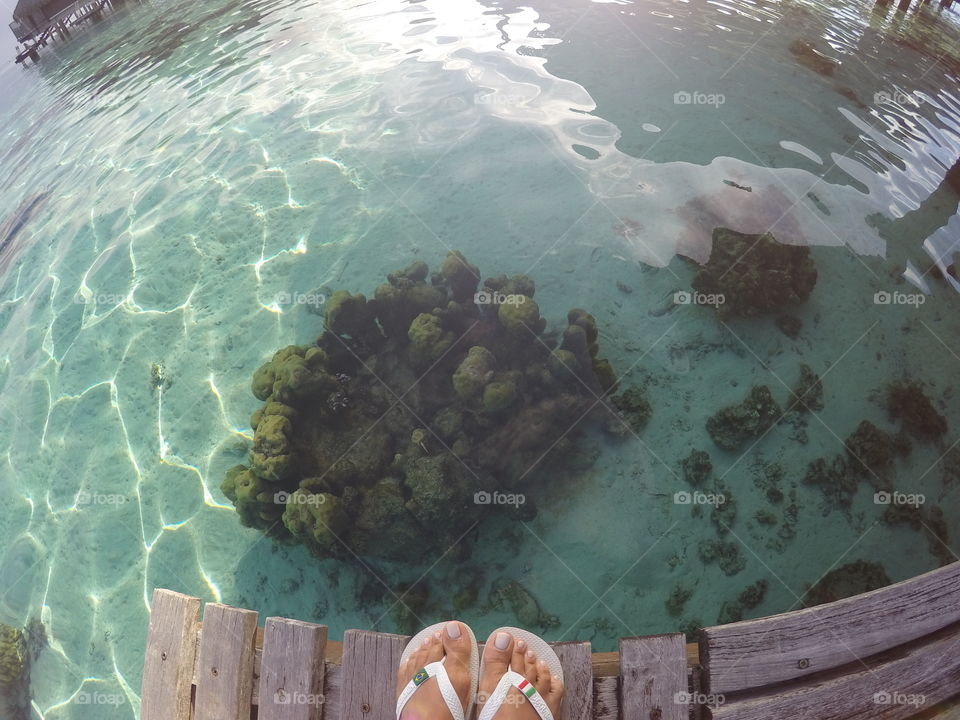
x=177 y=175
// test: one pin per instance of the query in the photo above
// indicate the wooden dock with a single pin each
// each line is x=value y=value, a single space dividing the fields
x=60 y=26
x=891 y=653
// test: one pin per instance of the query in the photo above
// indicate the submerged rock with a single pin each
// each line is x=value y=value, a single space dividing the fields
x=755 y=274
x=806 y=53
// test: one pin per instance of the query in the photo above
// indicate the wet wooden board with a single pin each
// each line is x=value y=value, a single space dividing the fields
x=225 y=665
x=755 y=653
x=291 y=670
x=170 y=656
x=653 y=677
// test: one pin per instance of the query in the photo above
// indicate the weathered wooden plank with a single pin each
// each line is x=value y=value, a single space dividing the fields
x=170 y=654
x=755 y=653
x=894 y=685
x=291 y=670
x=226 y=664
x=369 y=675
x=577 y=661
x=606 y=698
x=608 y=663
x=332 y=685
x=653 y=677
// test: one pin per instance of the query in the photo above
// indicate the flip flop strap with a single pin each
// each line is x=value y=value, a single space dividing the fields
x=438 y=671
x=513 y=679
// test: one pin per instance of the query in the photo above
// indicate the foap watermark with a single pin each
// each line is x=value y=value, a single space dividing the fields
x=887 y=697
x=96 y=698
x=489 y=297
x=99 y=298
x=897 y=97
x=683 y=297
x=684 y=497
x=684 y=97
x=882 y=297
x=287 y=697
x=895 y=497
x=498 y=98
x=285 y=498
x=482 y=497
x=297 y=298
x=87 y=498
x=699 y=698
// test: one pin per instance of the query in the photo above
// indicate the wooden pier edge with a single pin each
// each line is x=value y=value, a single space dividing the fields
x=890 y=654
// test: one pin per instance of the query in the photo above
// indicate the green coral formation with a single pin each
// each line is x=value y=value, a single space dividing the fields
x=807 y=395
x=753 y=595
x=409 y=605
x=14 y=673
x=907 y=402
x=724 y=514
x=678 y=599
x=755 y=274
x=846 y=581
x=634 y=408
x=835 y=480
x=748 y=599
x=725 y=554
x=13 y=657
x=872 y=451
x=696 y=467
x=731 y=427
x=523 y=605
x=376 y=439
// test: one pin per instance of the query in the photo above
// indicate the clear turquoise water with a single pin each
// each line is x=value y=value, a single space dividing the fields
x=170 y=172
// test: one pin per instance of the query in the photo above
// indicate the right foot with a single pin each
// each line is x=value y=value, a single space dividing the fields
x=503 y=652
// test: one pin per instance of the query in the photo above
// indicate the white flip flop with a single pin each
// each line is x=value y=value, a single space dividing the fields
x=512 y=679
x=437 y=670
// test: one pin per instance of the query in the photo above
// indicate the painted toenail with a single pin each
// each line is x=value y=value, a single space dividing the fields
x=530 y=655
x=501 y=641
x=521 y=644
x=453 y=630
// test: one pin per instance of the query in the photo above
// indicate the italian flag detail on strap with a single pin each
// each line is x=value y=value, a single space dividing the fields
x=527 y=689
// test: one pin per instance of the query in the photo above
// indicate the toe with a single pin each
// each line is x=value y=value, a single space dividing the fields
x=554 y=696
x=456 y=644
x=530 y=666
x=518 y=659
x=542 y=683
x=496 y=661
x=416 y=660
x=434 y=651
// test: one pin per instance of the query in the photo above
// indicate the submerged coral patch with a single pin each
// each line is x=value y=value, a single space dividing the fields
x=755 y=274
x=387 y=436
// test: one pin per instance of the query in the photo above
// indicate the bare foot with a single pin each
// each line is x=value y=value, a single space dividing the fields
x=502 y=653
x=427 y=702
